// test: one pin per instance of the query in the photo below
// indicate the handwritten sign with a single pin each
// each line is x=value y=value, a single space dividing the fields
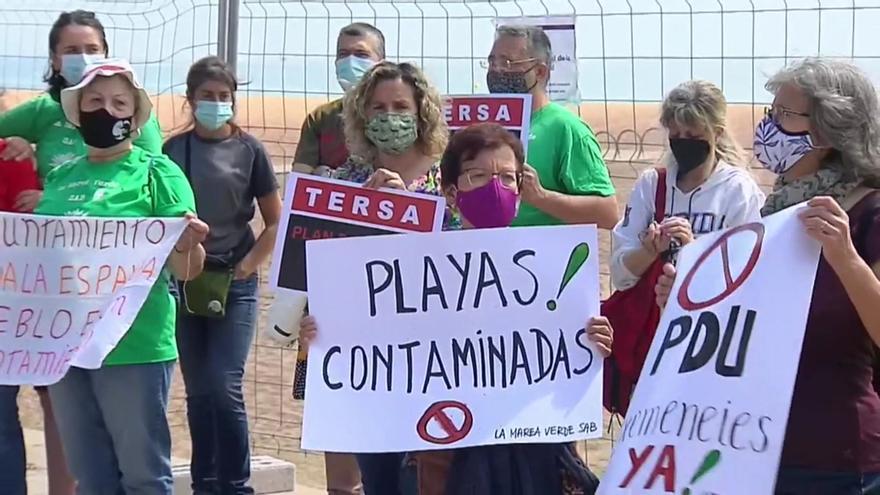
x=453 y=340
x=511 y=111
x=713 y=398
x=560 y=31
x=321 y=208
x=71 y=288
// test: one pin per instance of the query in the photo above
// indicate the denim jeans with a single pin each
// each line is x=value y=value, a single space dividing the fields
x=12 y=462
x=213 y=353
x=382 y=474
x=114 y=430
x=793 y=481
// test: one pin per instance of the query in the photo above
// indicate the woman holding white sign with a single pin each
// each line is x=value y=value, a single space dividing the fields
x=702 y=186
x=482 y=171
x=822 y=137
x=112 y=419
x=396 y=132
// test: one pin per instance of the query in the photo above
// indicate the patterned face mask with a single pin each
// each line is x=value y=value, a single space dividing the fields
x=777 y=150
x=500 y=82
x=392 y=133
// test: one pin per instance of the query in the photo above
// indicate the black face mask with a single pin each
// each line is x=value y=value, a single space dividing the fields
x=508 y=82
x=99 y=129
x=689 y=153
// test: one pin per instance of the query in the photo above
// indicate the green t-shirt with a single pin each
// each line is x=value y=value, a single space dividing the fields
x=565 y=153
x=41 y=121
x=141 y=184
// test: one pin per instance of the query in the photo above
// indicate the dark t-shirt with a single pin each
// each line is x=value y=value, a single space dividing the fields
x=321 y=139
x=834 y=423
x=226 y=177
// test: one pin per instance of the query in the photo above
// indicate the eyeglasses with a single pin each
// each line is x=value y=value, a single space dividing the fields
x=778 y=111
x=477 y=177
x=502 y=63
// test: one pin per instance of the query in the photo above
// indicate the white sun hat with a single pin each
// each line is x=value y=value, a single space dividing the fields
x=106 y=67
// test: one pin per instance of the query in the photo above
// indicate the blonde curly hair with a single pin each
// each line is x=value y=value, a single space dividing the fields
x=433 y=132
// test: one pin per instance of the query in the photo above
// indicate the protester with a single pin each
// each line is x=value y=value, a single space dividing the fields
x=703 y=187
x=396 y=132
x=75 y=39
x=482 y=170
x=16 y=177
x=228 y=170
x=565 y=180
x=112 y=419
x=822 y=136
x=321 y=146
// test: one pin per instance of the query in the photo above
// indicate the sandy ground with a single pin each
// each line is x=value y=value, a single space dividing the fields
x=631 y=140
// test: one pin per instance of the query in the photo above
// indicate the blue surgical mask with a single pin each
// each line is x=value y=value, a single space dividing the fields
x=350 y=69
x=214 y=114
x=73 y=65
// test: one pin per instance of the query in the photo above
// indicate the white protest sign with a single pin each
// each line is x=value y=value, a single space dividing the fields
x=475 y=337
x=711 y=406
x=321 y=208
x=71 y=288
x=560 y=31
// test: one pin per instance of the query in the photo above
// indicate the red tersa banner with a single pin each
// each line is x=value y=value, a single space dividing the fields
x=511 y=111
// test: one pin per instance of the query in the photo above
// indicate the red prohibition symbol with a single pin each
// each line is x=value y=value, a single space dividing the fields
x=438 y=412
x=731 y=284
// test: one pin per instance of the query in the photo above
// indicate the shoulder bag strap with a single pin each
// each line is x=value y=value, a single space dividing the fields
x=660 y=196
x=187 y=159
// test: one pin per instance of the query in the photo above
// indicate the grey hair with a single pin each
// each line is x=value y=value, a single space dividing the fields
x=537 y=42
x=844 y=111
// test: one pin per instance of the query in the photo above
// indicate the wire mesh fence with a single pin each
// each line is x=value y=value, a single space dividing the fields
x=629 y=54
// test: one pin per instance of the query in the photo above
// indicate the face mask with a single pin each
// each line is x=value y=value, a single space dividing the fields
x=508 y=82
x=349 y=70
x=73 y=65
x=489 y=206
x=99 y=129
x=213 y=114
x=778 y=150
x=689 y=153
x=392 y=133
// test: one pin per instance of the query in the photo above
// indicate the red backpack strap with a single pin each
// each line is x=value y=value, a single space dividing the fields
x=660 y=196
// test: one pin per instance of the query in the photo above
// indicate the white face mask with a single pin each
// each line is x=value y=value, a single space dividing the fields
x=777 y=150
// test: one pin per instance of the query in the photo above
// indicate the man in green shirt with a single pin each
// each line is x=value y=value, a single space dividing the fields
x=566 y=180
x=322 y=141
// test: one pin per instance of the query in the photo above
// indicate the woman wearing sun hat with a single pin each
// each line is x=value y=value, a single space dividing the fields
x=112 y=419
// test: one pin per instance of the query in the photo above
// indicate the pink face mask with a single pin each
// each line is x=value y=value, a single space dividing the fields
x=489 y=206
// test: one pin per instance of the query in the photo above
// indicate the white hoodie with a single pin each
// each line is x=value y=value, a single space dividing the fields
x=729 y=197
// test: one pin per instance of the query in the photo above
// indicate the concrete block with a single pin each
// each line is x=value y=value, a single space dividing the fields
x=268 y=475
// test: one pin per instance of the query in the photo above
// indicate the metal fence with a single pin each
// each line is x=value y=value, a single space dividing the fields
x=629 y=53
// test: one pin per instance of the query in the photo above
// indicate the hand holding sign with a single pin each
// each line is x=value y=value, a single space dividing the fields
x=532 y=191
x=385 y=178
x=196 y=232
x=828 y=223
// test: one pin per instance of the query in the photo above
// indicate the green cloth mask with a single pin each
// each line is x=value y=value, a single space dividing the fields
x=392 y=133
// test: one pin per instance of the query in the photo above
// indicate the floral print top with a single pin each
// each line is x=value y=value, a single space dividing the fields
x=354 y=170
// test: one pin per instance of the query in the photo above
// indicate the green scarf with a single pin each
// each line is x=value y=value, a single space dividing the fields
x=827 y=181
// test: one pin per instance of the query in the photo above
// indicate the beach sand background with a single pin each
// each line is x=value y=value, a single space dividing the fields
x=631 y=139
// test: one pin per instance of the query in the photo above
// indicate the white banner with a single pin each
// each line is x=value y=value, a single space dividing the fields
x=71 y=287
x=711 y=406
x=430 y=341
x=560 y=31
